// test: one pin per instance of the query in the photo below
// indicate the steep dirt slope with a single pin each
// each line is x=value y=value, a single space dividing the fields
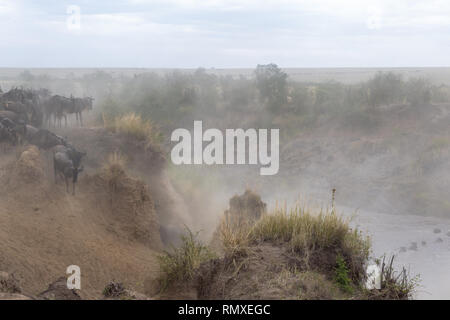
x=43 y=229
x=146 y=163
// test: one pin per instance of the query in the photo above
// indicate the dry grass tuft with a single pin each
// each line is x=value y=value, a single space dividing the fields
x=178 y=265
x=114 y=170
x=394 y=285
x=132 y=125
x=235 y=237
x=308 y=233
x=28 y=166
x=316 y=237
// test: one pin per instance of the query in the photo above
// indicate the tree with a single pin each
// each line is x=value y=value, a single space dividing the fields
x=384 y=89
x=418 y=92
x=271 y=82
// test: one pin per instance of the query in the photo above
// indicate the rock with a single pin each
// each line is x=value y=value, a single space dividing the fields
x=13 y=296
x=8 y=283
x=58 y=291
x=437 y=230
x=113 y=290
x=133 y=295
x=403 y=249
x=424 y=243
x=116 y=291
x=439 y=240
x=413 y=246
x=448 y=234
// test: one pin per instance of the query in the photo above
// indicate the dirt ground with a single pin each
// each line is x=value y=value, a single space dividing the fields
x=43 y=229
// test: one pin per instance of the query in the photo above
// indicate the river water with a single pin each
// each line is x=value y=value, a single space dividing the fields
x=421 y=244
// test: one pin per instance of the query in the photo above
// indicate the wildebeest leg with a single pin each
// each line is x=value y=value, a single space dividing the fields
x=67 y=184
x=81 y=119
x=73 y=188
x=56 y=173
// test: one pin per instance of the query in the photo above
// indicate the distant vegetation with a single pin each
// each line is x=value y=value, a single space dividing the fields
x=267 y=98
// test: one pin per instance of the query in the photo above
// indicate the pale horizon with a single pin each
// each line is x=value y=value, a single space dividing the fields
x=187 y=34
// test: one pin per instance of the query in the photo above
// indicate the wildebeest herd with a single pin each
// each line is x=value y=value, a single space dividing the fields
x=23 y=112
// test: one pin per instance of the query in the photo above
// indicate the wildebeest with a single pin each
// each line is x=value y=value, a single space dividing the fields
x=65 y=166
x=17 y=107
x=25 y=102
x=6 y=134
x=72 y=152
x=16 y=117
x=12 y=132
x=80 y=105
x=43 y=139
x=58 y=107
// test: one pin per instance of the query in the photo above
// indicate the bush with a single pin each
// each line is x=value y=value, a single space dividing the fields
x=341 y=277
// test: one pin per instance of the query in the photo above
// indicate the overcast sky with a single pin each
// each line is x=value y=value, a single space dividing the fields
x=224 y=33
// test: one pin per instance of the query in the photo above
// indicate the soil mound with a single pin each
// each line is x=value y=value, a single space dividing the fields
x=267 y=272
x=27 y=169
x=8 y=283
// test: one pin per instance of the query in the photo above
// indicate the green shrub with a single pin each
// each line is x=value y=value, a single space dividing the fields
x=341 y=276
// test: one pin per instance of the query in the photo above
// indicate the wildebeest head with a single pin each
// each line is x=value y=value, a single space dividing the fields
x=7 y=122
x=88 y=101
x=74 y=155
x=75 y=171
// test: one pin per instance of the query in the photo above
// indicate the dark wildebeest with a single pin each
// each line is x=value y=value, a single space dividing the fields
x=65 y=166
x=16 y=117
x=25 y=102
x=58 y=107
x=19 y=108
x=80 y=105
x=6 y=135
x=72 y=152
x=43 y=139
x=16 y=131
